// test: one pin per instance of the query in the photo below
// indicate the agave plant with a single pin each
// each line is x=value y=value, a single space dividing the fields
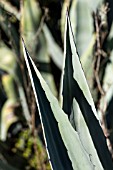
x=73 y=135
x=34 y=21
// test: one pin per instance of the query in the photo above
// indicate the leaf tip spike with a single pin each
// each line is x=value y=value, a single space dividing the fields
x=67 y=12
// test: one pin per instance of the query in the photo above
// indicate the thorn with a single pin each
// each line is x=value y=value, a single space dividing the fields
x=22 y=40
x=67 y=12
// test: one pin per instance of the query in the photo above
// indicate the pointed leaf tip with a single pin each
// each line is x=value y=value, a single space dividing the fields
x=67 y=12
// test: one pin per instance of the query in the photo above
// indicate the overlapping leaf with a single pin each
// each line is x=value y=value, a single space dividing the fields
x=77 y=99
x=83 y=28
x=53 y=48
x=32 y=31
x=65 y=151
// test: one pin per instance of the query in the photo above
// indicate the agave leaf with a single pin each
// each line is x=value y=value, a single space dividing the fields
x=31 y=15
x=9 y=64
x=24 y=103
x=84 y=36
x=107 y=84
x=8 y=117
x=83 y=28
x=66 y=4
x=70 y=105
x=53 y=48
x=106 y=101
x=87 y=60
x=78 y=122
x=108 y=80
x=10 y=9
x=7 y=59
x=2 y=97
x=65 y=152
x=71 y=56
x=75 y=88
x=73 y=15
x=110 y=14
x=43 y=60
x=95 y=5
x=11 y=33
x=9 y=87
x=30 y=25
x=109 y=117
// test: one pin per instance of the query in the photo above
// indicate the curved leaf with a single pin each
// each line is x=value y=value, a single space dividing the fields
x=8 y=63
x=83 y=28
x=33 y=31
x=75 y=87
x=53 y=48
x=65 y=152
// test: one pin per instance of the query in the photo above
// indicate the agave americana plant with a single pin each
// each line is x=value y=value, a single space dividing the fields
x=73 y=135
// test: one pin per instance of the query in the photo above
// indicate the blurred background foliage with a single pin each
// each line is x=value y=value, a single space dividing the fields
x=41 y=24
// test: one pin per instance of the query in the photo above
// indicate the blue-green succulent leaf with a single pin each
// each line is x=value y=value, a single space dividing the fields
x=76 y=97
x=62 y=141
